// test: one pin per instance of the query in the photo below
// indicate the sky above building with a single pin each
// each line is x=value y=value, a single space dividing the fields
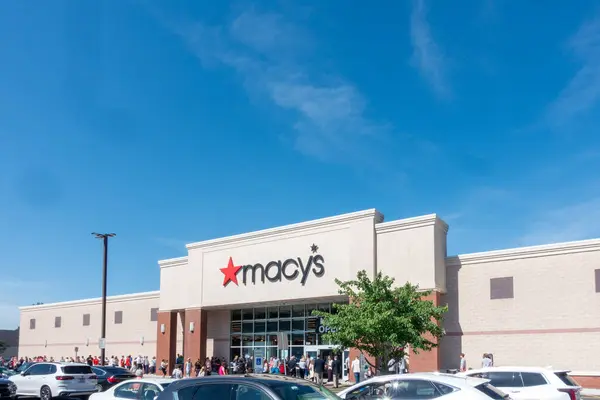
x=170 y=122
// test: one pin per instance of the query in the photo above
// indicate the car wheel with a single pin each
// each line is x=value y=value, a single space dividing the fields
x=45 y=393
x=98 y=388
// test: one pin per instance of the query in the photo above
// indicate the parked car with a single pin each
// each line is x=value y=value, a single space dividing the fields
x=48 y=380
x=423 y=386
x=242 y=387
x=6 y=372
x=530 y=382
x=110 y=376
x=139 y=389
x=8 y=390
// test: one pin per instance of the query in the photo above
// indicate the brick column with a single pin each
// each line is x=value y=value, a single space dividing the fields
x=426 y=361
x=166 y=341
x=194 y=343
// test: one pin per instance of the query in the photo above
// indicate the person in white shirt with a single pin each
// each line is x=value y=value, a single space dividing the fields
x=177 y=373
x=356 y=369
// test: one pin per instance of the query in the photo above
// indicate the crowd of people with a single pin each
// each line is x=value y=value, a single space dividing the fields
x=318 y=369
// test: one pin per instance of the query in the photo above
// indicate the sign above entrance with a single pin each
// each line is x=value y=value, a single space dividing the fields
x=275 y=271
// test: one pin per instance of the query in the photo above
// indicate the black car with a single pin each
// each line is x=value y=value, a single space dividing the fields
x=109 y=376
x=245 y=387
x=8 y=389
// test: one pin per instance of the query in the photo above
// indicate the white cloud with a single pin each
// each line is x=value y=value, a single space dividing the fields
x=570 y=222
x=271 y=55
x=582 y=92
x=427 y=55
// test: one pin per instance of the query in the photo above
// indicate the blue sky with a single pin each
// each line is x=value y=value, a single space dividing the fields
x=178 y=121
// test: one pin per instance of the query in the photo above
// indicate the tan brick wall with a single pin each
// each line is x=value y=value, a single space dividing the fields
x=553 y=319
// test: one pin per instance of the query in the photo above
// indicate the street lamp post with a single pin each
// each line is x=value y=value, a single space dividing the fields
x=104 y=237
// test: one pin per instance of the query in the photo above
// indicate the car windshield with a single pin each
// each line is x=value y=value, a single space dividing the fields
x=300 y=391
x=491 y=391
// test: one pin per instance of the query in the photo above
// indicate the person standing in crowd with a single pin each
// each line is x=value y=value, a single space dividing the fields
x=177 y=373
x=319 y=369
x=197 y=366
x=487 y=361
x=188 y=368
x=222 y=369
x=163 y=367
x=463 y=363
x=356 y=369
x=153 y=366
x=302 y=368
x=329 y=370
x=336 y=369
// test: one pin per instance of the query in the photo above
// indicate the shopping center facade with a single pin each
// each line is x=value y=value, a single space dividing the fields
x=234 y=295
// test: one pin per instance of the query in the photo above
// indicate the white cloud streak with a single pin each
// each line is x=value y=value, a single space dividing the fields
x=582 y=92
x=270 y=54
x=427 y=55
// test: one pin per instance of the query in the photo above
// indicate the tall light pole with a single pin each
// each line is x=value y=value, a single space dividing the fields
x=104 y=237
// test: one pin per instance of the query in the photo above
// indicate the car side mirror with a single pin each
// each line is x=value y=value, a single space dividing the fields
x=23 y=373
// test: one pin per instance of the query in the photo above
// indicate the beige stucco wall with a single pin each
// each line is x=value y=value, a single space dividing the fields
x=346 y=243
x=553 y=319
x=121 y=339
x=413 y=250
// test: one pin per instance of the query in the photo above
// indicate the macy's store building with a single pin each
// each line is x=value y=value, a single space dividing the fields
x=252 y=287
x=236 y=295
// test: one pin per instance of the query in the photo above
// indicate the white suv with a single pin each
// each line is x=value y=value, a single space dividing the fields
x=48 y=380
x=530 y=382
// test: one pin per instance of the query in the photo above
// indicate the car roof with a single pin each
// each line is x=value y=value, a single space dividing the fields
x=265 y=379
x=449 y=379
x=158 y=381
x=518 y=369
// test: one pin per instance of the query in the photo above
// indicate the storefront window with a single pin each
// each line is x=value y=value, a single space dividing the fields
x=260 y=313
x=298 y=324
x=254 y=332
x=273 y=312
x=248 y=327
x=273 y=326
x=284 y=325
x=298 y=311
x=285 y=312
x=248 y=314
x=297 y=339
x=272 y=340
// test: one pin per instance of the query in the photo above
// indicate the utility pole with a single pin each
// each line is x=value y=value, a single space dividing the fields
x=102 y=341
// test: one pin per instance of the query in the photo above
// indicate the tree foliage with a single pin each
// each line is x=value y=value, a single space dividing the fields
x=381 y=319
x=3 y=347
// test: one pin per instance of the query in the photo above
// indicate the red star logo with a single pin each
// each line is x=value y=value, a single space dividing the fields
x=230 y=273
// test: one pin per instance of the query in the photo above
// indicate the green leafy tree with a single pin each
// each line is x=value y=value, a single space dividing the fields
x=381 y=319
x=3 y=347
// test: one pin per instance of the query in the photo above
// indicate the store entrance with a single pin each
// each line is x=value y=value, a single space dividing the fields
x=323 y=351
